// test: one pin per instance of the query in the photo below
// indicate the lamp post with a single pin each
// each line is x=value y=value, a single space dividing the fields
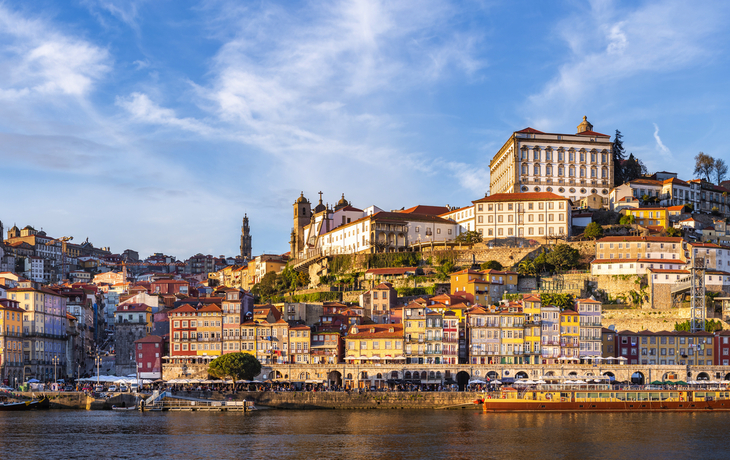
x=98 y=363
x=55 y=363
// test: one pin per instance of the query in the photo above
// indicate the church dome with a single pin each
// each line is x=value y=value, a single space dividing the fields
x=342 y=203
x=301 y=199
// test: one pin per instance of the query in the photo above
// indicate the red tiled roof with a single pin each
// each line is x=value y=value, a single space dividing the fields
x=592 y=133
x=381 y=331
x=425 y=209
x=527 y=196
x=149 y=339
x=350 y=208
x=674 y=180
x=529 y=130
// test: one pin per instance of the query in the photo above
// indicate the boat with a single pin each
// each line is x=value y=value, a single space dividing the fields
x=124 y=408
x=42 y=403
x=606 y=398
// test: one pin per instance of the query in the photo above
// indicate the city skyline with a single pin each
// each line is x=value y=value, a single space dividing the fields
x=156 y=128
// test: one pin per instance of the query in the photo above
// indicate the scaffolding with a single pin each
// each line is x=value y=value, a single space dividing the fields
x=697 y=291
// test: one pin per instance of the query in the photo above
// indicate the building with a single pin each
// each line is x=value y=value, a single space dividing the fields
x=635 y=255
x=375 y=343
x=482 y=287
x=589 y=315
x=300 y=337
x=149 y=351
x=512 y=325
x=483 y=334
x=245 y=239
x=569 y=334
x=550 y=333
x=523 y=215
x=11 y=342
x=533 y=329
x=44 y=329
x=570 y=165
x=132 y=322
x=378 y=302
x=327 y=347
x=609 y=343
x=463 y=217
x=651 y=218
x=667 y=347
x=450 y=342
x=414 y=330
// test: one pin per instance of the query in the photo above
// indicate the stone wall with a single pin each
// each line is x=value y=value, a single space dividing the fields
x=525 y=283
x=124 y=336
x=186 y=371
x=613 y=286
x=639 y=320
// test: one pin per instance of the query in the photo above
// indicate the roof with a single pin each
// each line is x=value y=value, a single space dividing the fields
x=592 y=133
x=391 y=271
x=380 y=331
x=211 y=307
x=531 y=298
x=676 y=208
x=674 y=180
x=350 y=208
x=424 y=209
x=587 y=301
x=529 y=130
x=659 y=261
x=130 y=307
x=382 y=286
x=527 y=196
x=647 y=239
x=149 y=339
x=646 y=182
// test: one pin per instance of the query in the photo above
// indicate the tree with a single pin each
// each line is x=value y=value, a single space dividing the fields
x=526 y=268
x=444 y=270
x=704 y=166
x=266 y=287
x=469 y=238
x=720 y=170
x=627 y=220
x=562 y=301
x=540 y=263
x=491 y=265
x=632 y=169
x=563 y=256
x=593 y=231
x=619 y=154
x=238 y=366
x=671 y=231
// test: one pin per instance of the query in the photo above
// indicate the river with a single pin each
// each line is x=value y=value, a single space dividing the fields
x=354 y=435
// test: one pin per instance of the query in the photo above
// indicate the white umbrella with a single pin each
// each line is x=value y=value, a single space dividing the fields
x=578 y=381
x=476 y=381
x=540 y=382
x=495 y=382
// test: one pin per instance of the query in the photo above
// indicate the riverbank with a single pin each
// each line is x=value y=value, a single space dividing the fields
x=299 y=400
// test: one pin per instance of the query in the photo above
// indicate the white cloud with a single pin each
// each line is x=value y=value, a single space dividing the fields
x=660 y=145
x=144 y=110
x=39 y=60
x=610 y=45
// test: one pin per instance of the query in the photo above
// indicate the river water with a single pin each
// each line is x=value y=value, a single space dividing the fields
x=354 y=435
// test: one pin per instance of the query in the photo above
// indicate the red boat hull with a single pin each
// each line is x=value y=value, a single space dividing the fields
x=628 y=406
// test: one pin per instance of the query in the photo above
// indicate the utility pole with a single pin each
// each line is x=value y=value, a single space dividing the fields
x=98 y=363
x=55 y=363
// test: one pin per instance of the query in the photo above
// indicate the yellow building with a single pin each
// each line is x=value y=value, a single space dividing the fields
x=569 y=334
x=479 y=287
x=11 y=340
x=511 y=323
x=531 y=306
x=414 y=332
x=649 y=217
x=375 y=343
x=210 y=323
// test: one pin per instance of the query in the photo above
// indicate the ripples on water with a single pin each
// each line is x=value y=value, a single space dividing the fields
x=354 y=435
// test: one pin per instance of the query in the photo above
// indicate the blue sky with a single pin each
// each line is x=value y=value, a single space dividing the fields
x=155 y=125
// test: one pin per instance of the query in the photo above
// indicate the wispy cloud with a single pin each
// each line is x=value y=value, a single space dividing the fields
x=609 y=44
x=660 y=145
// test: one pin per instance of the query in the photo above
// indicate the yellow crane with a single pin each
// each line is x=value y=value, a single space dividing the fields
x=63 y=240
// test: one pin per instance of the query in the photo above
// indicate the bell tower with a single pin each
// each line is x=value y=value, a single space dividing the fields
x=245 y=239
x=302 y=217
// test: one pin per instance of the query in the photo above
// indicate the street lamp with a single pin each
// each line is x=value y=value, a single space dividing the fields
x=55 y=363
x=97 y=360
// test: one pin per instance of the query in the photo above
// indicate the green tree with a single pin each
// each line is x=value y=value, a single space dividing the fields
x=541 y=264
x=593 y=231
x=491 y=265
x=563 y=256
x=266 y=288
x=238 y=366
x=526 y=268
x=444 y=270
x=562 y=301
x=619 y=155
x=673 y=232
x=704 y=166
x=627 y=220
x=469 y=238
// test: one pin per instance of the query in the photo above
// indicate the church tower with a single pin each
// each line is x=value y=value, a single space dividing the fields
x=245 y=239
x=302 y=217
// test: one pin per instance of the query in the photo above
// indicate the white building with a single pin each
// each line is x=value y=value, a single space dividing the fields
x=465 y=218
x=523 y=215
x=570 y=165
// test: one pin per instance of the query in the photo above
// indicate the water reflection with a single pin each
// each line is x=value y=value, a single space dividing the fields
x=360 y=435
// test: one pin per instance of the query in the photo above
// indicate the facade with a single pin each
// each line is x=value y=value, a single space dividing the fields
x=132 y=322
x=484 y=287
x=590 y=313
x=533 y=329
x=570 y=165
x=464 y=218
x=149 y=352
x=651 y=218
x=378 y=302
x=414 y=329
x=667 y=347
x=569 y=334
x=624 y=255
x=11 y=342
x=512 y=324
x=299 y=342
x=375 y=343
x=523 y=215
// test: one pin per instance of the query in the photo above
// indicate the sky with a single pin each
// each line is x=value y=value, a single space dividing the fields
x=156 y=125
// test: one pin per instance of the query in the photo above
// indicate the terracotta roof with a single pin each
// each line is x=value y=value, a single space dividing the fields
x=593 y=133
x=527 y=196
x=149 y=339
x=381 y=331
x=646 y=182
x=350 y=208
x=674 y=180
x=424 y=209
x=531 y=298
x=383 y=286
x=211 y=307
x=529 y=130
x=587 y=301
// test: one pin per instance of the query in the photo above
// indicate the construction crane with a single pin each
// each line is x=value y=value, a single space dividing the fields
x=63 y=240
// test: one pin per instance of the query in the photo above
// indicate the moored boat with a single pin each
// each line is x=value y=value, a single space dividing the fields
x=124 y=408
x=605 y=398
x=42 y=403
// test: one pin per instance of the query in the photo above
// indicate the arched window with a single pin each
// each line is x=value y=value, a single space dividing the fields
x=537 y=170
x=561 y=171
x=524 y=170
x=582 y=171
x=604 y=172
x=572 y=171
x=593 y=172
x=549 y=170
x=536 y=154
